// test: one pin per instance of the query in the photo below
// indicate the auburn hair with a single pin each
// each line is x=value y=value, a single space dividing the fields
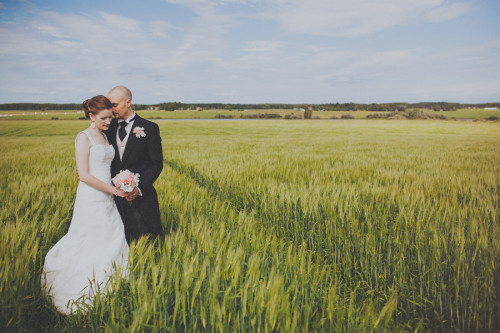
x=95 y=105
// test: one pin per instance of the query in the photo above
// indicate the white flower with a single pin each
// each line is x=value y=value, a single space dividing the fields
x=139 y=132
x=126 y=180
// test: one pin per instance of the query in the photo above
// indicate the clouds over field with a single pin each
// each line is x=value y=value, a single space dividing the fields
x=251 y=51
x=348 y=18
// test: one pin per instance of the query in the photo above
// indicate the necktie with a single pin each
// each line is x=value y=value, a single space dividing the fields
x=122 y=133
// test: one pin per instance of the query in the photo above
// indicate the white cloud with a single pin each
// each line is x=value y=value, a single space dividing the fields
x=65 y=52
x=447 y=12
x=357 y=17
x=50 y=31
x=67 y=57
x=160 y=29
x=121 y=22
x=366 y=75
x=62 y=52
x=263 y=45
x=67 y=43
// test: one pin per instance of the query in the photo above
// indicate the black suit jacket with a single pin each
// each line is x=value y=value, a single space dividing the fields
x=143 y=155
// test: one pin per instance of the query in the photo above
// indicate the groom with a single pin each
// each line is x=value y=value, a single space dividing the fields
x=138 y=148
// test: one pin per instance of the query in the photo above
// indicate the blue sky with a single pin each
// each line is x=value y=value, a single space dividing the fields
x=253 y=51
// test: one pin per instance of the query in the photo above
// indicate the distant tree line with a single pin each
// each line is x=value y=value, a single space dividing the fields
x=40 y=106
x=53 y=106
x=171 y=106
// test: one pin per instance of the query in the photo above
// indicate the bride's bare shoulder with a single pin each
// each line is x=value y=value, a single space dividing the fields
x=82 y=139
x=82 y=136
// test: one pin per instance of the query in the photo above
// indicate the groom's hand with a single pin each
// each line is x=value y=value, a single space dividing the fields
x=132 y=195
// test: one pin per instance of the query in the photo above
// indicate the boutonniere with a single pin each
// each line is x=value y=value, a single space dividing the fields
x=139 y=132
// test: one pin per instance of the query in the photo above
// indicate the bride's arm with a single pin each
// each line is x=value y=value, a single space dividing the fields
x=82 y=153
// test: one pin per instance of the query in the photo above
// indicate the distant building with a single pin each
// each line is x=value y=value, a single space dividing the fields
x=490 y=108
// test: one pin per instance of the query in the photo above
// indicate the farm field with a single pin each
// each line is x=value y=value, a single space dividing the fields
x=355 y=225
x=210 y=114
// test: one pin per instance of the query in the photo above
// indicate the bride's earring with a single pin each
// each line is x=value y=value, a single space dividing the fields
x=92 y=125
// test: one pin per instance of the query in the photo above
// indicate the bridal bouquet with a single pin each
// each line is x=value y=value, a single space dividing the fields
x=126 y=180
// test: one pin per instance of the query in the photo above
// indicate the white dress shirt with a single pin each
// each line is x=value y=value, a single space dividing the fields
x=121 y=144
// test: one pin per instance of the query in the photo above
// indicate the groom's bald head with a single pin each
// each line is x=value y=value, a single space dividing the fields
x=122 y=92
x=121 y=100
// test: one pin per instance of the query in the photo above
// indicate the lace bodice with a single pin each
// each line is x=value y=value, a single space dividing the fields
x=100 y=159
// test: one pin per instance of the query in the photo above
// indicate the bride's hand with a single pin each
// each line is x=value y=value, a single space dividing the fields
x=120 y=193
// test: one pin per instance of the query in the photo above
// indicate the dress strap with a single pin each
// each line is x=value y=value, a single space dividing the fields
x=106 y=137
x=90 y=137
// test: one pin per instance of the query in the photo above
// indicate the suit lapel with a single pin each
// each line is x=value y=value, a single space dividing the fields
x=112 y=137
x=112 y=132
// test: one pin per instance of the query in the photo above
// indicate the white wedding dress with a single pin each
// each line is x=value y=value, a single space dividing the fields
x=94 y=249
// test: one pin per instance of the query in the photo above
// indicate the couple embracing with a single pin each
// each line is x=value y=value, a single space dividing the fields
x=106 y=217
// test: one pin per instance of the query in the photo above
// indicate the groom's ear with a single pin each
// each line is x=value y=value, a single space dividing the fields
x=129 y=102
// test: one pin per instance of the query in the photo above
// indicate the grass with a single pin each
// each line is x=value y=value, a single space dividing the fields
x=275 y=226
x=210 y=114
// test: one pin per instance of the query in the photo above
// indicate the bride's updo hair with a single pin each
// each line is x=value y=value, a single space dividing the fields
x=95 y=105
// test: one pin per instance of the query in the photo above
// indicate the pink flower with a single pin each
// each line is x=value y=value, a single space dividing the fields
x=139 y=132
x=126 y=180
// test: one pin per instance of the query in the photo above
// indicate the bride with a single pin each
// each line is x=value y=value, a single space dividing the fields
x=94 y=248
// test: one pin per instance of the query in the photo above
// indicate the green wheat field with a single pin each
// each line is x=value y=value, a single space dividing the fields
x=275 y=225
